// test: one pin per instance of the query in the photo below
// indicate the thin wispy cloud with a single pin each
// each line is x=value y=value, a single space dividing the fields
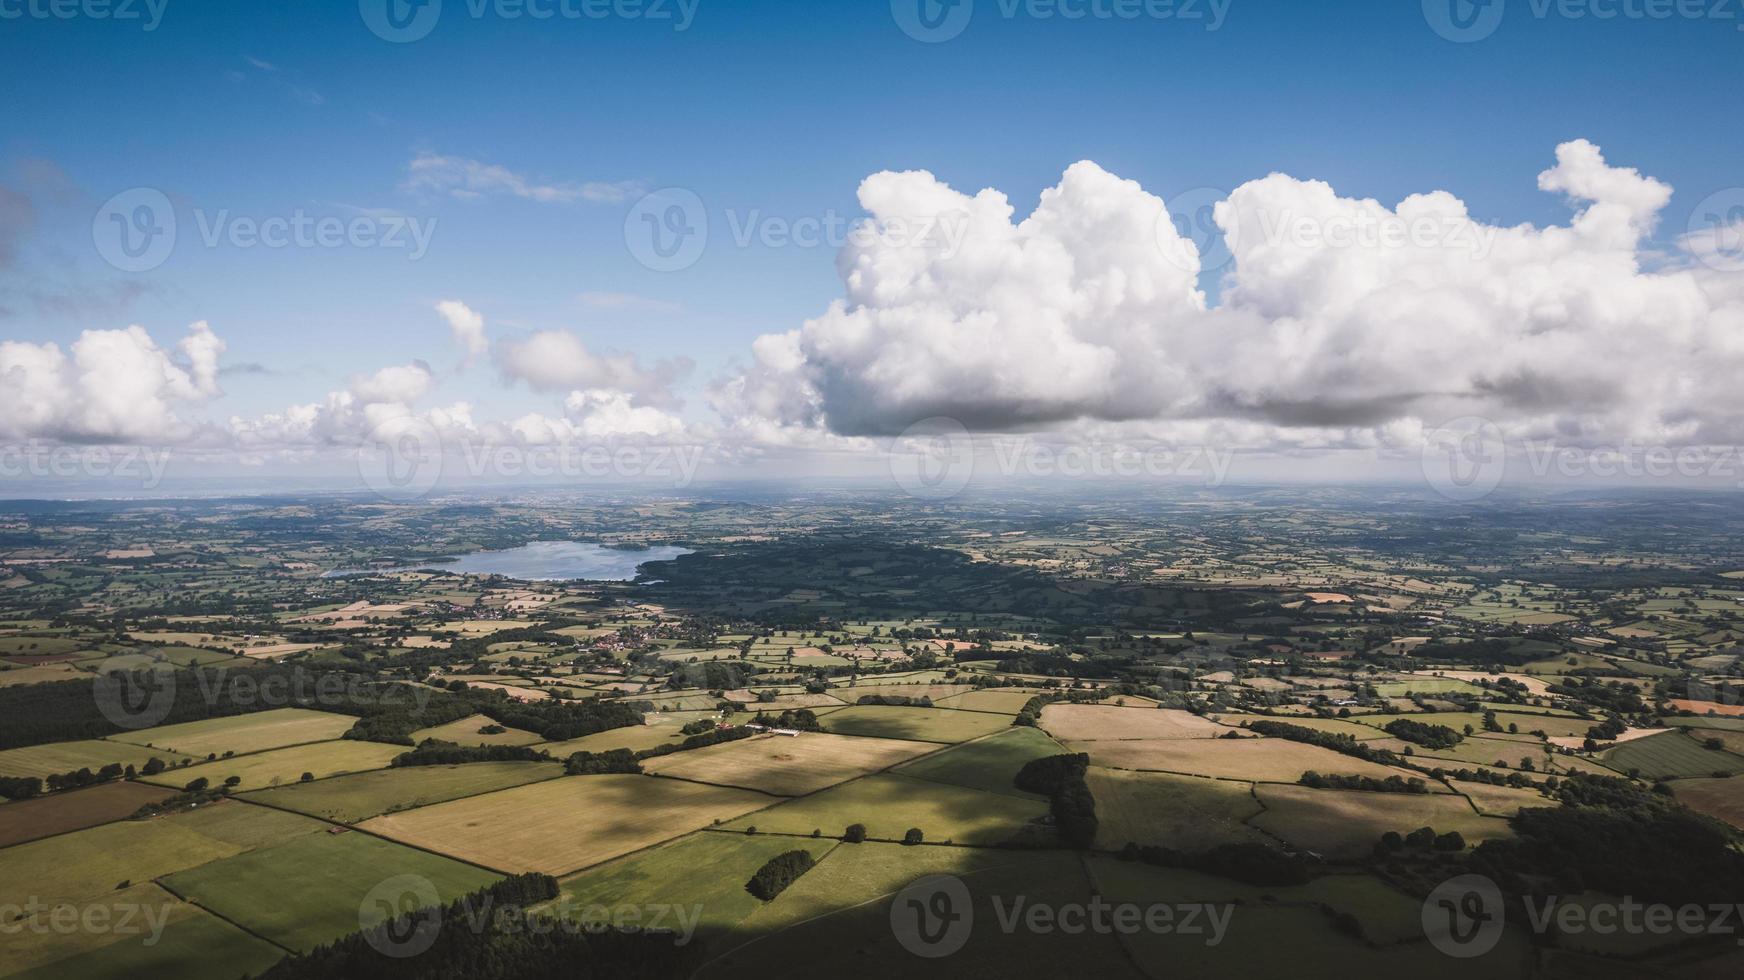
x=467 y=179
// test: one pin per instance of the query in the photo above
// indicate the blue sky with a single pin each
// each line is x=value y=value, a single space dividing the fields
x=263 y=108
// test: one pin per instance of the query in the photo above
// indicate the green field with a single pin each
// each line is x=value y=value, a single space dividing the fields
x=917 y=724
x=1671 y=755
x=1187 y=813
x=987 y=764
x=244 y=733
x=359 y=796
x=93 y=862
x=193 y=944
x=706 y=871
x=280 y=766
x=312 y=890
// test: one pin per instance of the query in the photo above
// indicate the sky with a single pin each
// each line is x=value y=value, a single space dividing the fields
x=599 y=223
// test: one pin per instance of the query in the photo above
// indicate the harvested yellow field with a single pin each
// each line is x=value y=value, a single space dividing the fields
x=1272 y=760
x=563 y=825
x=1100 y=722
x=260 y=770
x=789 y=765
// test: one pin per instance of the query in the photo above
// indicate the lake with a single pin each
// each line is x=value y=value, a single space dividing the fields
x=552 y=561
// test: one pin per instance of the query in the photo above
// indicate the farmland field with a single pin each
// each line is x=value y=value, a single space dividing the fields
x=1347 y=823
x=705 y=870
x=280 y=766
x=636 y=737
x=244 y=733
x=1722 y=799
x=93 y=754
x=1250 y=759
x=1183 y=812
x=466 y=732
x=1098 y=722
x=76 y=810
x=310 y=890
x=92 y=862
x=1672 y=755
x=359 y=796
x=788 y=765
x=889 y=804
x=989 y=763
x=195 y=945
x=563 y=825
x=916 y=724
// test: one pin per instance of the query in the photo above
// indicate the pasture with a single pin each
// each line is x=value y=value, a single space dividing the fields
x=466 y=732
x=1671 y=755
x=1184 y=812
x=1101 y=722
x=1722 y=799
x=244 y=733
x=311 y=890
x=195 y=945
x=359 y=796
x=788 y=765
x=563 y=825
x=280 y=766
x=705 y=870
x=1044 y=878
x=1346 y=824
x=989 y=763
x=1249 y=759
x=914 y=724
x=1001 y=700
x=889 y=804
x=62 y=813
x=93 y=754
x=635 y=737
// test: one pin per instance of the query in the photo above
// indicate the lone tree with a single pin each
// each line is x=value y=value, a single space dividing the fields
x=914 y=836
x=855 y=834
